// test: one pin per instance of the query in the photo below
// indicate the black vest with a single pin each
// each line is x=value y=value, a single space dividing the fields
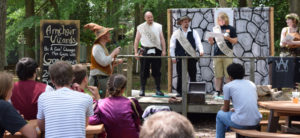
x=179 y=51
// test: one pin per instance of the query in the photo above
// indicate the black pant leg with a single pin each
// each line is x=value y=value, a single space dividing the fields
x=179 y=75
x=155 y=67
x=192 y=69
x=144 y=72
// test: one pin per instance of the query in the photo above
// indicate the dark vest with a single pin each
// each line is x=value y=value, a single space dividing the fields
x=179 y=51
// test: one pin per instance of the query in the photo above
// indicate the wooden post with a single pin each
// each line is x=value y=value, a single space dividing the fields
x=184 y=86
x=252 y=66
x=271 y=31
x=169 y=20
x=129 y=76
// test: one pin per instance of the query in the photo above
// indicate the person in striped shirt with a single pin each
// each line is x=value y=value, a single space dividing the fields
x=63 y=112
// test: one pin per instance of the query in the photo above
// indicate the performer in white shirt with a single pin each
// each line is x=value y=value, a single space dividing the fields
x=185 y=42
x=153 y=43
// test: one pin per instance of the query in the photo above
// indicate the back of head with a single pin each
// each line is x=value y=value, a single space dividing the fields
x=115 y=84
x=6 y=81
x=61 y=73
x=236 y=71
x=166 y=124
x=79 y=72
x=25 y=68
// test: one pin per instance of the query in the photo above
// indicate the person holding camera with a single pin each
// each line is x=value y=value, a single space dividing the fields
x=153 y=43
x=185 y=42
x=102 y=62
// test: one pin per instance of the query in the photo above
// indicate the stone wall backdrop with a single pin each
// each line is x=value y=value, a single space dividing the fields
x=252 y=27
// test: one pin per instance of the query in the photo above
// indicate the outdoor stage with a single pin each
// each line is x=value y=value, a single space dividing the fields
x=211 y=105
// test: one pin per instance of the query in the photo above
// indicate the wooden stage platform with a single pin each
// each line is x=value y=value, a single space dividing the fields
x=211 y=105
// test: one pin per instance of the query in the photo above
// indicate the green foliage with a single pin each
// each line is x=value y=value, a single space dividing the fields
x=119 y=14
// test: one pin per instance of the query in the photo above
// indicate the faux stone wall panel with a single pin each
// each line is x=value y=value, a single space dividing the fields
x=252 y=27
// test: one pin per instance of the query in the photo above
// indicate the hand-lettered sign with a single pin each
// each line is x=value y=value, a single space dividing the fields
x=59 y=41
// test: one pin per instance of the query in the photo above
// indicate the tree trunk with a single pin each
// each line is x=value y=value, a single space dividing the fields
x=250 y=3
x=222 y=3
x=29 y=32
x=242 y=3
x=113 y=19
x=294 y=6
x=2 y=33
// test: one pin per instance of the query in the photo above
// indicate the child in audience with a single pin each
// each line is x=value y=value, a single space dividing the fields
x=10 y=119
x=120 y=115
x=27 y=91
x=167 y=124
x=80 y=81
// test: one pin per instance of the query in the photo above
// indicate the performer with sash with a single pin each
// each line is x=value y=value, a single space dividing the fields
x=185 y=42
x=153 y=43
x=290 y=37
x=223 y=47
x=102 y=62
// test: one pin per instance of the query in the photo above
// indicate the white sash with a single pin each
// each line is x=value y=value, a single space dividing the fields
x=185 y=43
x=221 y=42
x=146 y=30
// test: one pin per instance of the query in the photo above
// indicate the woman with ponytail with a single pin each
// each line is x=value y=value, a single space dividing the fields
x=120 y=115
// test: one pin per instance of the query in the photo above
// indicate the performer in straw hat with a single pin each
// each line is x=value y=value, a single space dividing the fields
x=153 y=43
x=185 y=42
x=102 y=62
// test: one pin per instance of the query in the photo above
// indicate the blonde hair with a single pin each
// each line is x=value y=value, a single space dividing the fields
x=294 y=17
x=6 y=80
x=224 y=16
x=167 y=124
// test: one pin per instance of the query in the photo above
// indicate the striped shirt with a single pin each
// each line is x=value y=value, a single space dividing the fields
x=65 y=112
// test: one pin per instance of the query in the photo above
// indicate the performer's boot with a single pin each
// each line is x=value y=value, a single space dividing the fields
x=143 y=84
x=157 y=83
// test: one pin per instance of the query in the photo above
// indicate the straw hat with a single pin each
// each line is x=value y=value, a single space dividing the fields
x=183 y=18
x=97 y=29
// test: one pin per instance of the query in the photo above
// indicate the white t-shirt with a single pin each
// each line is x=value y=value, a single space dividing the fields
x=244 y=100
x=65 y=112
x=156 y=29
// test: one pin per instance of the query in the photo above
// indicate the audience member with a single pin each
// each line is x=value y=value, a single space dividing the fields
x=63 y=112
x=244 y=114
x=27 y=91
x=167 y=124
x=80 y=81
x=120 y=115
x=10 y=119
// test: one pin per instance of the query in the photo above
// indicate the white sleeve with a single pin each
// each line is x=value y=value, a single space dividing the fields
x=100 y=57
x=172 y=45
x=49 y=88
x=226 y=92
x=40 y=114
x=198 y=41
x=90 y=111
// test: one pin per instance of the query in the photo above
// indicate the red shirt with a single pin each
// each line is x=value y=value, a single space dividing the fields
x=25 y=96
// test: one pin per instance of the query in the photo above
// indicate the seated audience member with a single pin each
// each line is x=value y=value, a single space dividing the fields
x=10 y=119
x=120 y=115
x=244 y=114
x=167 y=124
x=80 y=81
x=27 y=91
x=63 y=112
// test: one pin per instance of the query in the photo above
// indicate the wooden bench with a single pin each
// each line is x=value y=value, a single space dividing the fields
x=91 y=132
x=241 y=133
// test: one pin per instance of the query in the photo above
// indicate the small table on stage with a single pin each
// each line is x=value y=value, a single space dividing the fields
x=277 y=109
